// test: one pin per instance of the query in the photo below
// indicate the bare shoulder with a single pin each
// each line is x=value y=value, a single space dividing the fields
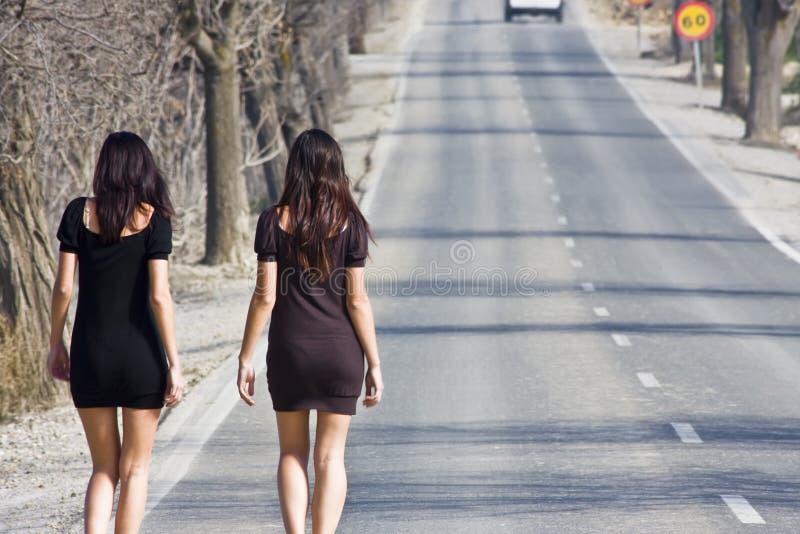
x=141 y=217
x=283 y=216
x=146 y=209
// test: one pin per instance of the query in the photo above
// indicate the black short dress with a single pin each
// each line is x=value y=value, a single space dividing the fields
x=116 y=355
x=314 y=357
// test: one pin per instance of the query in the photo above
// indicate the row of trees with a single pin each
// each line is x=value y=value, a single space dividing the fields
x=758 y=33
x=218 y=89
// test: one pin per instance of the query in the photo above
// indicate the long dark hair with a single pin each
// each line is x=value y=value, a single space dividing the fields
x=126 y=176
x=317 y=193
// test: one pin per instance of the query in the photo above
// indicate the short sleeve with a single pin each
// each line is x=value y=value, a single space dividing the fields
x=159 y=242
x=265 y=244
x=357 y=243
x=70 y=225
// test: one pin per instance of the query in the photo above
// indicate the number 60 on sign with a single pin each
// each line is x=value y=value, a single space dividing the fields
x=694 y=21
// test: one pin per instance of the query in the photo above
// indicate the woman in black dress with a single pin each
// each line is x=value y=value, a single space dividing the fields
x=124 y=332
x=311 y=250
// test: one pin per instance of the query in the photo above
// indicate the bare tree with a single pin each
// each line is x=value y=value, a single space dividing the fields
x=770 y=26
x=66 y=79
x=26 y=274
x=734 y=58
x=212 y=32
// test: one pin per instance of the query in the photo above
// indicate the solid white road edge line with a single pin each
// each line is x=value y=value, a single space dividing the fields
x=770 y=236
x=186 y=431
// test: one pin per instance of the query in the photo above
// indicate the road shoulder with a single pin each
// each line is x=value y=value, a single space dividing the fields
x=759 y=182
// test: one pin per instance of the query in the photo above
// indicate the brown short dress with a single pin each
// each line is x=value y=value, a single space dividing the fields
x=314 y=357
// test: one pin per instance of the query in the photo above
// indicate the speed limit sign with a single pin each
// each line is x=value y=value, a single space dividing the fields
x=694 y=21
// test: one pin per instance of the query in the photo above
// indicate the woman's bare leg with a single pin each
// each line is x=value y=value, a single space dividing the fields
x=293 y=469
x=102 y=434
x=138 y=433
x=330 y=479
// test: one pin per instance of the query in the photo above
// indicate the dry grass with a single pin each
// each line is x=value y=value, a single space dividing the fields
x=22 y=388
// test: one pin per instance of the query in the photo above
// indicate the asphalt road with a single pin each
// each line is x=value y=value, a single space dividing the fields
x=517 y=405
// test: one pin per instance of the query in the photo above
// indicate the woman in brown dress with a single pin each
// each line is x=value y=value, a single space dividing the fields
x=311 y=250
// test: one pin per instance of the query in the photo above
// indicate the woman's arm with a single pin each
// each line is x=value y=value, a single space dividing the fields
x=58 y=359
x=164 y=314
x=360 y=311
x=261 y=304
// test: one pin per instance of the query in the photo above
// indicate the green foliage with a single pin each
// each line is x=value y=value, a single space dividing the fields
x=791 y=53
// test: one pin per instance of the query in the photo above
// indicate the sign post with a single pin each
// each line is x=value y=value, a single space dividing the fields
x=639 y=5
x=694 y=21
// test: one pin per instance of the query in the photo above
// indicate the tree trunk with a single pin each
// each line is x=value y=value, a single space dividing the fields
x=226 y=204
x=770 y=28
x=677 y=42
x=260 y=102
x=26 y=278
x=708 y=52
x=318 y=94
x=734 y=58
x=358 y=27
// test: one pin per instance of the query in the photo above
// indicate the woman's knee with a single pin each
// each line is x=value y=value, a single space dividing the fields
x=294 y=456
x=107 y=470
x=133 y=467
x=107 y=464
x=326 y=458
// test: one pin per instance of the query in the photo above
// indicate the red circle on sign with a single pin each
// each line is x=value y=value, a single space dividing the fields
x=694 y=21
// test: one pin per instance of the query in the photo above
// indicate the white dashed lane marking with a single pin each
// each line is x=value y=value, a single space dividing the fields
x=562 y=220
x=601 y=311
x=548 y=179
x=686 y=432
x=576 y=263
x=648 y=380
x=587 y=286
x=543 y=165
x=743 y=510
x=621 y=340
x=569 y=242
x=555 y=198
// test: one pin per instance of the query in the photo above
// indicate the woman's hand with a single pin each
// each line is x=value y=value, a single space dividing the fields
x=246 y=383
x=58 y=362
x=374 y=386
x=175 y=385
